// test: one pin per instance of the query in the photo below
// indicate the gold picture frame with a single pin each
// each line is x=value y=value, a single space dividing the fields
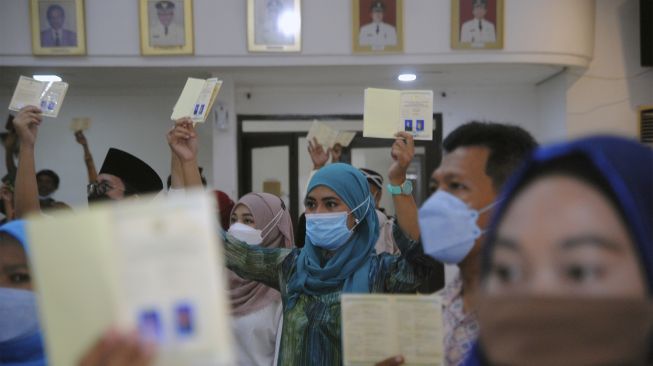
x=377 y=26
x=274 y=26
x=166 y=27
x=58 y=27
x=473 y=28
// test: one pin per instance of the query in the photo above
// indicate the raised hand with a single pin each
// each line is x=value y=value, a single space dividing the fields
x=26 y=124
x=115 y=349
x=403 y=151
x=336 y=153
x=182 y=139
x=318 y=155
x=392 y=361
x=80 y=138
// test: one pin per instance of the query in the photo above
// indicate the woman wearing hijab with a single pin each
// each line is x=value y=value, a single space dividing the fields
x=259 y=219
x=338 y=256
x=21 y=342
x=225 y=205
x=568 y=266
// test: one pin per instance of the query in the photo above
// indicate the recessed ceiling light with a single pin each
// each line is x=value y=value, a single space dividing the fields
x=46 y=77
x=407 y=77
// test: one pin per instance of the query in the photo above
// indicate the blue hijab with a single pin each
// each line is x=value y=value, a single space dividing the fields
x=349 y=267
x=626 y=166
x=21 y=343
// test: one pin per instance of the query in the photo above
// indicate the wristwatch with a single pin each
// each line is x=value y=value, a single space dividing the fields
x=406 y=188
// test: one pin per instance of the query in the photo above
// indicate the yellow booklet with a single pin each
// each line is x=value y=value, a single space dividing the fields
x=47 y=95
x=196 y=99
x=377 y=327
x=387 y=112
x=150 y=265
x=329 y=137
x=80 y=124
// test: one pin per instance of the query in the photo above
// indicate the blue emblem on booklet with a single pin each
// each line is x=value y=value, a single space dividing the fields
x=150 y=326
x=185 y=320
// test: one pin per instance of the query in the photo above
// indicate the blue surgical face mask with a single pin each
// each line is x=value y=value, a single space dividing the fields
x=448 y=227
x=18 y=314
x=329 y=230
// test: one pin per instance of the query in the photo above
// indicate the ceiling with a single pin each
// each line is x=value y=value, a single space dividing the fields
x=373 y=75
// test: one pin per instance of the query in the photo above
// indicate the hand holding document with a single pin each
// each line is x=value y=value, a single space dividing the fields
x=390 y=111
x=196 y=99
x=329 y=137
x=151 y=265
x=376 y=327
x=47 y=95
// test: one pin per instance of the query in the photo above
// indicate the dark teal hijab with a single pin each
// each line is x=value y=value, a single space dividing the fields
x=348 y=269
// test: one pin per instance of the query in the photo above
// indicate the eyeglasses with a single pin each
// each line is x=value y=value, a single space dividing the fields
x=99 y=188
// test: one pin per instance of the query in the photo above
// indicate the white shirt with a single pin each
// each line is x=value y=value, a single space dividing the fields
x=255 y=336
x=386 y=241
x=174 y=37
x=477 y=32
x=377 y=35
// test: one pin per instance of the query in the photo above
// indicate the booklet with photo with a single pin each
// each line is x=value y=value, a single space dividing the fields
x=196 y=99
x=387 y=112
x=329 y=137
x=376 y=327
x=154 y=266
x=47 y=95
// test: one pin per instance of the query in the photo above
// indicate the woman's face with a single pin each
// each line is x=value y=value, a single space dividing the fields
x=243 y=215
x=14 y=270
x=561 y=236
x=324 y=200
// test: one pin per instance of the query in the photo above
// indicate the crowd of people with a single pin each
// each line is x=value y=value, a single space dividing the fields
x=554 y=246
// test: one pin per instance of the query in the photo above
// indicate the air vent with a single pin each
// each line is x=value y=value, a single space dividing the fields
x=646 y=124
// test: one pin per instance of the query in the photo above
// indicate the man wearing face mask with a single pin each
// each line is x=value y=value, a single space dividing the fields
x=478 y=158
x=386 y=242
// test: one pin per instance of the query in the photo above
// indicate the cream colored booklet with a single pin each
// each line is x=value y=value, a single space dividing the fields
x=150 y=265
x=196 y=99
x=80 y=124
x=47 y=95
x=387 y=112
x=376 y=327
x=329 y=137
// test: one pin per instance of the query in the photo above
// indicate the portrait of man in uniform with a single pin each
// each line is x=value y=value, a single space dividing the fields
x=477 y=24
x=273 y=25
x=58 y=28
x=166 y=23
x=377 y=25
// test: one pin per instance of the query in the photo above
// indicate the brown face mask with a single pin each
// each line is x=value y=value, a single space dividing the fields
x=529 y=330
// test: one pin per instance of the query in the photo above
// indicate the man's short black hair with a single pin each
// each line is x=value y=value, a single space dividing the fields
x=508 y=146
x=52 y=175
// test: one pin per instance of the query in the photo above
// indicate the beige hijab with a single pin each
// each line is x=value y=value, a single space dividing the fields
x=250 y=296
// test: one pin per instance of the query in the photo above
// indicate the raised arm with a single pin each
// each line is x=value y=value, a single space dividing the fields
x=88 y=158
x=253 y=262
x=182 y=139
x=10 y=148
x=403 y=151
x=26 y=123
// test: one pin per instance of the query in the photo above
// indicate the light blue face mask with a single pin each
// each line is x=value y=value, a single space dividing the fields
x=329 y=230
x=18 y=313
x=448 y=227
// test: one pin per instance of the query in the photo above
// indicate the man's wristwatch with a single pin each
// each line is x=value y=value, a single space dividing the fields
x=406 y=188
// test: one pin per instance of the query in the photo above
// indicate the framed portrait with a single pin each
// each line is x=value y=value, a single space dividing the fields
x=477 y=24
x=58 y=27
x=377 y=26
x=166 y=27
x=274 y=26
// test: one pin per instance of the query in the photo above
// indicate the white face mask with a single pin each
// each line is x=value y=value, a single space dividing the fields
x=448 y=227
x=251 y=235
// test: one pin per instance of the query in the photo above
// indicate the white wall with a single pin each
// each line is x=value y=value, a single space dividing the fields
x=551 y=95
x=604 y=98
x=131 y=120
x=113 y=35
